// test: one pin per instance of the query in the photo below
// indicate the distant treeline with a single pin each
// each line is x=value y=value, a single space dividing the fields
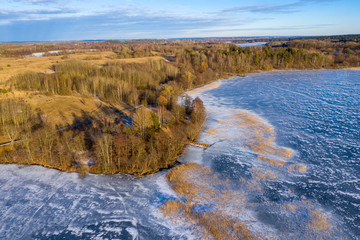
x=154 y=47
x=191 y=65
x=113 y=82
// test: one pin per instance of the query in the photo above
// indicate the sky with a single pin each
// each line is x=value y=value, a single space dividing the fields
x=65 y=20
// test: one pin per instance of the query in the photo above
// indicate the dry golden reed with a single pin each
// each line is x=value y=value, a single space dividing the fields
x=213 y=224
x=199 y=186
x=278 y=163
x=259 y=136
x=206 y=87
x=209 y=206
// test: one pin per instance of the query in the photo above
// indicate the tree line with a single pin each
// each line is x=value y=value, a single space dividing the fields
x=160 y=127
x=154 y=140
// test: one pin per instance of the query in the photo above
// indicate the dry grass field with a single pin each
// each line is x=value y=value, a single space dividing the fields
x=10 y=66
x=57 y=110
x=61 y=111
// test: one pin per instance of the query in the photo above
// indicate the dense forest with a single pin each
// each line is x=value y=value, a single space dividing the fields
x=160 y=127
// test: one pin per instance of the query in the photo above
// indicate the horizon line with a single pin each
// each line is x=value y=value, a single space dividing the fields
x=182 y=38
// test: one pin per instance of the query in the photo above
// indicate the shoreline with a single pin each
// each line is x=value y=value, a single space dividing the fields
x=212 y=84
x=353 y=68
x=190 y=90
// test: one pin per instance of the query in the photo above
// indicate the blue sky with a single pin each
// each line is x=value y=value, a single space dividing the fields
x=46 y=20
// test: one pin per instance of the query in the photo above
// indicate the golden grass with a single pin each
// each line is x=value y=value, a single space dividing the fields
x=220 y=132
x=65 y=110
x=301 y=168
x=277 y=163
x=214 y=224
x=319 y=221
x=290 y=207
x=355 y=68
x=4 y=139
x=6 y=149
x=259 y=135
x=204 y=88
x=297 y=167
x=259 y=176
x=316 y=226
x=12 y=66
x=60 y=111
x=192 y=181
x=212 y=131
x=20 y=65
x=199 y=186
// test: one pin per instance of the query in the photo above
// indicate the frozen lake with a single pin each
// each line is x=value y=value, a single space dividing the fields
x=315 y=192
x=254 y=44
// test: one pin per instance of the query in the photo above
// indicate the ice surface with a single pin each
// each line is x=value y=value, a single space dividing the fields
x=41 y=203
x=313 y=113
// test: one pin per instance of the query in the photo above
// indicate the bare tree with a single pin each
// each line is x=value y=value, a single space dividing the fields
x=104 y=150
x=142 y=120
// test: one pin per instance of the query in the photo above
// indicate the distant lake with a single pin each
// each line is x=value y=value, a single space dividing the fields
x=42 y=54
x=254 y=44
